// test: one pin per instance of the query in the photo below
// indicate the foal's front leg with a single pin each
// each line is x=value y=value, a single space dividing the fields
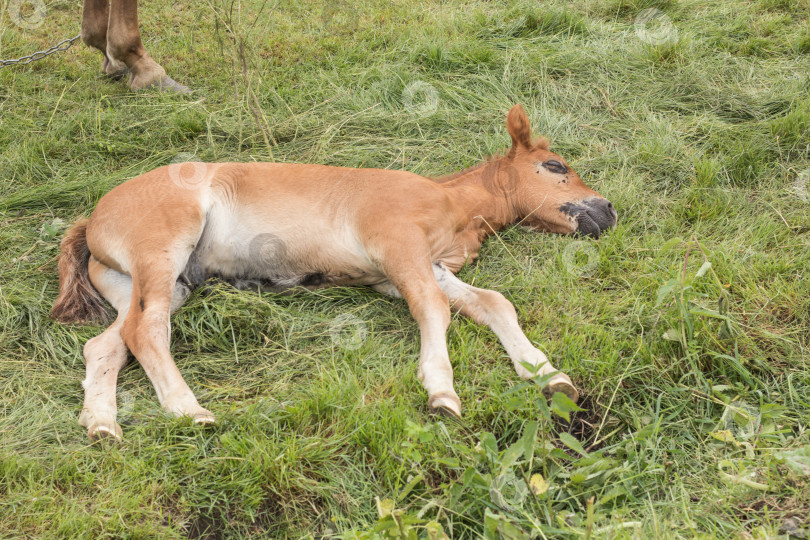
x=412 y=277
x=494 y=310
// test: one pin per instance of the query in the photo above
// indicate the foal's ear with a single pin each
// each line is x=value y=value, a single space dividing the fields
x=517 y=124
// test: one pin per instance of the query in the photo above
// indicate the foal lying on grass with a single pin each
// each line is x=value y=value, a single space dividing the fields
x=279 y=226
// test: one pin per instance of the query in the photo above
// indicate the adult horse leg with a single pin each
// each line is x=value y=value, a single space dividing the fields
x=106 y=353
x=125 y=46
x=95 y=18
x=494 y=310
x=407 y=264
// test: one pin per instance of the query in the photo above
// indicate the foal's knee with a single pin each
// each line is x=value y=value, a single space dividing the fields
x=489 y=307
x=129 y=333
x=496 y=302
x=432 y=307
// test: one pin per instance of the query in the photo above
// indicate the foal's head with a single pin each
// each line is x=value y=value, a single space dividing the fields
x=547 y=194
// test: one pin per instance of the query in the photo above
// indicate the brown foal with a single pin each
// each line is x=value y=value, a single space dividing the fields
x=280 y=226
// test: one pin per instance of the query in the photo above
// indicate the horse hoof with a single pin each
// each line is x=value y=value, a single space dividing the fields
x=167 y=84
x=97 y=432
x=205 y=419
x=561 y=383
x=114 y=70
x=146 y=73
x=445 y=404
x=117 y=75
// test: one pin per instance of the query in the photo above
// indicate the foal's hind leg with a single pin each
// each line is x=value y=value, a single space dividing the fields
x=146 y=333
x=104 y=356
x=106 y=353
x=492 y=309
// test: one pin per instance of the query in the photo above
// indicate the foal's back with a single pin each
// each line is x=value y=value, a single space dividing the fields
x=280 y=224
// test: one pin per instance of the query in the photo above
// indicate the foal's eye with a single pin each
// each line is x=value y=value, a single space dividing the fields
x=555 y=166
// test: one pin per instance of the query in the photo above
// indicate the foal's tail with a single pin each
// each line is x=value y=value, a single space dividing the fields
x=78 y=301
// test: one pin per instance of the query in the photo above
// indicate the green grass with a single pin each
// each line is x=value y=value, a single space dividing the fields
x=696 y=391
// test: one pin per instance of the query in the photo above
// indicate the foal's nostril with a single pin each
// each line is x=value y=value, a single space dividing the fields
x=596 y=215
x=604 y=206
x=593 y=215
x=612 y=211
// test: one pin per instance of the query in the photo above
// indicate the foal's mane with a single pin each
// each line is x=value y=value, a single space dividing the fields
x=540 y=142
x=453 y=176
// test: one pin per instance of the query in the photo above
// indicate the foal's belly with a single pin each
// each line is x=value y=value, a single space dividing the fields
x=279 y=258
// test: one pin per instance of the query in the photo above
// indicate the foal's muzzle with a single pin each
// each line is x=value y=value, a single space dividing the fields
x=594 y=215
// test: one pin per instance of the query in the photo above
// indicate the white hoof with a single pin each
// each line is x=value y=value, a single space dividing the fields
x=445 y=403
x=561 y=383
x=99 y=427
x=205 y=418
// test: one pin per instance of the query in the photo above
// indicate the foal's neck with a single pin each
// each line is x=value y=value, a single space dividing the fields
x=489 y=208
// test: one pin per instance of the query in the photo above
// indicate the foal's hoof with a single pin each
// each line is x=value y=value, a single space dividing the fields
x=445 y=404
x=113 y=432
x=205 y=419
x=99 y=427
x=561 y=383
